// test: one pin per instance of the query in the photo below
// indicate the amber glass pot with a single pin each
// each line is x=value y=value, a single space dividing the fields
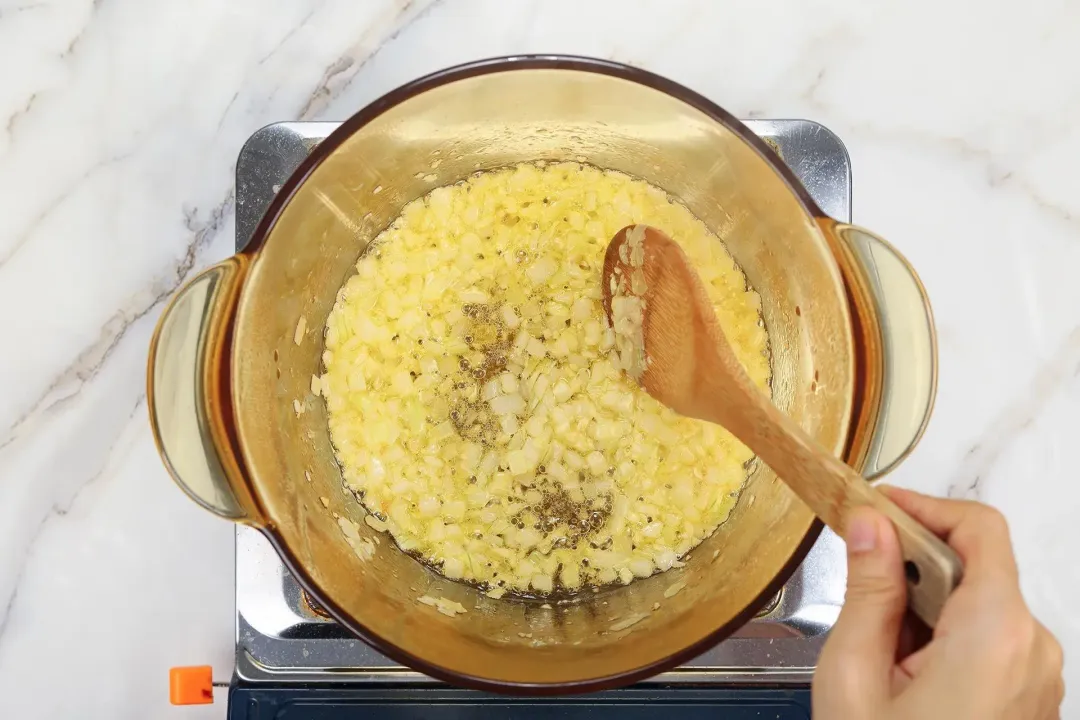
x=853 y=356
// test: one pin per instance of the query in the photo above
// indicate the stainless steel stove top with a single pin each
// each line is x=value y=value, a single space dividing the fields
x=280 y=637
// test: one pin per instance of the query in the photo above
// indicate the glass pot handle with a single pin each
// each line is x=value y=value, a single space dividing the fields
x=188 y=396
x=908 y=345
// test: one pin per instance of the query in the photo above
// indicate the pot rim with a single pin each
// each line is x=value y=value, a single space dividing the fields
x=328 y=146
x=509 y=63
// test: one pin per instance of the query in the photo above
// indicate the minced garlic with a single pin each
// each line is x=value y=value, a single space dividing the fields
x=301 y=328
x=674 y=589
x=628 y=622
x=446 y=607
x=363 y=547
x=475 y=396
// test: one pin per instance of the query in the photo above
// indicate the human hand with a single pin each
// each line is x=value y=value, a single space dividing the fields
x=988 y=659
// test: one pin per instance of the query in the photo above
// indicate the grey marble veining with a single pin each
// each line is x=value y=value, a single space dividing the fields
x=120 y=122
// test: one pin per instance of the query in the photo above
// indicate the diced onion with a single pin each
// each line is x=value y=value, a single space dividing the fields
x=455 y=510
x=453 y=568
x=476 y=392
x=581 y=310
x=541 y=270
x=474 y=295
x=510 y=317
x=641 y=567
x=509 y=383
x=520 y=462
x=597 y=462
x=507 y=404
x=653 y=529
x=542 y=583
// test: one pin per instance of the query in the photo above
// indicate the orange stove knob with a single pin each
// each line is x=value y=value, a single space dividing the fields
x=192 y=685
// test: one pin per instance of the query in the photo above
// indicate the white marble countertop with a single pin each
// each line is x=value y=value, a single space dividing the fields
x=120 y=121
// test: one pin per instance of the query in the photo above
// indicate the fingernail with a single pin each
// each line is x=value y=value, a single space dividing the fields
x=861 y=532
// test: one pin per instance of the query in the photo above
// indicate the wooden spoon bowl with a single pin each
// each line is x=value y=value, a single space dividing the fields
x=690 y=367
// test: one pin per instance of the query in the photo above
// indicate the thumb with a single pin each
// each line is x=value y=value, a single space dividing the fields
x=868 y=630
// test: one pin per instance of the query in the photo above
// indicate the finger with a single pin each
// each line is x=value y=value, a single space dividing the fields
x=914 y=663
x=900 y=680
x=978 y=532
x=1059 y=696
x=1049 y=664
x=914 y=635
x=867 y=632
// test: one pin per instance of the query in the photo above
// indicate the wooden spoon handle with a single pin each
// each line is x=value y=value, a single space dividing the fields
x=933 y=569
x=832 y=489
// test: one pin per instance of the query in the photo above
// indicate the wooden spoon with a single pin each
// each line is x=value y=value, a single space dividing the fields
x=692 y=369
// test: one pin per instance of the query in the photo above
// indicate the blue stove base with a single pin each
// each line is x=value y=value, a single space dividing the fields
x=332 y=702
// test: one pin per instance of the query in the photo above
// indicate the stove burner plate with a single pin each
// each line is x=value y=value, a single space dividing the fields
x=281 y=638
